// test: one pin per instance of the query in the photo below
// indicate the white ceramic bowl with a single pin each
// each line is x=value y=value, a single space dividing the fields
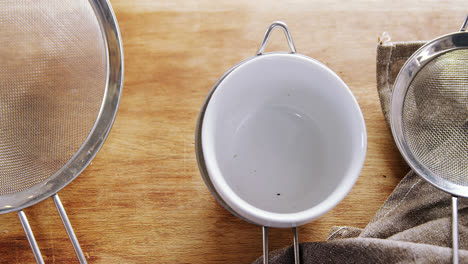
x=283 y=140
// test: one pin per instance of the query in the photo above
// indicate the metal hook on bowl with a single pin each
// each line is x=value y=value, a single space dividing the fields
x=273 y=25
x=265 y=245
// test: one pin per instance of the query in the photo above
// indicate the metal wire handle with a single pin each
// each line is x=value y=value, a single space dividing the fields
x=265 y=245
x=463 y=27
x=285 y=29
x=30 y=236
x=68 y=228
x=454 y=230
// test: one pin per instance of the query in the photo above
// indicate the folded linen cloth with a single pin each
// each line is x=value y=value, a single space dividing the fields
x=412 y=226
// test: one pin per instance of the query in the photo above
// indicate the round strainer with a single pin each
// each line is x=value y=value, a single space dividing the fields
x=429 y=116
x=60 y=76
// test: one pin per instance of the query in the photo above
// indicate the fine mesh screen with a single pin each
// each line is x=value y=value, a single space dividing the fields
x=435 y=116
x=53 y=71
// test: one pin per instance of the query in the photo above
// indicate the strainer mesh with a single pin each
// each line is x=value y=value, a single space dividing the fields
x=52 y=79
x=435 y=116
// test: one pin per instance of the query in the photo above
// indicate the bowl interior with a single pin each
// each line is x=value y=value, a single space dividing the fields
x=282 y=132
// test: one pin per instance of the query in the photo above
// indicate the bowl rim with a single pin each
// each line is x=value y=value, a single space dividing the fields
x=236 y=205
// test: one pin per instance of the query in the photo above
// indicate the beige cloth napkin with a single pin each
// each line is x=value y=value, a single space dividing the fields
x=412 y=226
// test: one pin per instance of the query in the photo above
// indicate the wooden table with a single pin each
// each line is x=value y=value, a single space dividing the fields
x=142 y=200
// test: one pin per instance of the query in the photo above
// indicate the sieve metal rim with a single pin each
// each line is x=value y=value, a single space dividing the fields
x=111 y=99
x=417 y=61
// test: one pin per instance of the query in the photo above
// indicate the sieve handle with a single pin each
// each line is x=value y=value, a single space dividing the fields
x=265 y=245
x=69 y=229
x=30 y=236
x=285 y=29
x=463 y=27
x=454 y=230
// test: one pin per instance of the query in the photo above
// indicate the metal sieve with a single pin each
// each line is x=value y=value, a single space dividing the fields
x=61 y=77
x=429 y=116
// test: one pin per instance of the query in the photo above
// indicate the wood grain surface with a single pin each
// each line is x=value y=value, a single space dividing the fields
x=142 y=200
